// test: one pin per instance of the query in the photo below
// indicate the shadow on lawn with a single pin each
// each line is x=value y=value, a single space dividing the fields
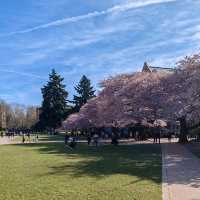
x=142 y=161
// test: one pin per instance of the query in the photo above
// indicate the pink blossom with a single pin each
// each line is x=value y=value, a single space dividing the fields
x=128 y=99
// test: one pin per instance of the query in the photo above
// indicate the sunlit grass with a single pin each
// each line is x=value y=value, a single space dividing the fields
x=50 y=171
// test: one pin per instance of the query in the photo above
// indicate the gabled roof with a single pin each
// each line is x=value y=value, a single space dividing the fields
x=148 y=68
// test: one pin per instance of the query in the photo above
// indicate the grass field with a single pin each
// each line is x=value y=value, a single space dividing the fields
x=50 y=171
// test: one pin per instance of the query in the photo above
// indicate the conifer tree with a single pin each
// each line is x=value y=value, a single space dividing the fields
x=84 y=92
x=54 y=105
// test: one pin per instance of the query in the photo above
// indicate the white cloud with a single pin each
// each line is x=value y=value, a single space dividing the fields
x=115 y=9
x=22 y=74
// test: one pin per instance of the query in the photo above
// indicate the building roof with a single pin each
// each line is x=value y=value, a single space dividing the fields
x=148 y=68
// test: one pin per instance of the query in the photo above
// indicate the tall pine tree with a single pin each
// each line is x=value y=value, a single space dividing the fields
x=54 y=105
x=84 y=92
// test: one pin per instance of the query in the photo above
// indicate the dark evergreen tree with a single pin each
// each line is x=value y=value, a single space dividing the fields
x=54 y=105
x=85 y=92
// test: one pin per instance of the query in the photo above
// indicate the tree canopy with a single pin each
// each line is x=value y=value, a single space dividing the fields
x=54 y=105
x=84 y=93
x=143 y=96
x=17 y=116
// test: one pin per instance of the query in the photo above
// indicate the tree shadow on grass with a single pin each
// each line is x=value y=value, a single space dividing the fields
x=142 y=161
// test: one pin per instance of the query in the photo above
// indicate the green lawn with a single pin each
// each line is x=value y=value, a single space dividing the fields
x=52 y=172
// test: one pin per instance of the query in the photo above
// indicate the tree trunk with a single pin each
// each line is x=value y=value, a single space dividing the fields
x=183 y=130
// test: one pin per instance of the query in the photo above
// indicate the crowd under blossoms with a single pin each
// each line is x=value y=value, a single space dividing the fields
x=144 y=97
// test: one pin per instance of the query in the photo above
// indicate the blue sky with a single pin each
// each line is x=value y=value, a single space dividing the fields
x=98 y=38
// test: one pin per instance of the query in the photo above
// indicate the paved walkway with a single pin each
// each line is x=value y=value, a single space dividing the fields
x=4 y=140
x=181 y=173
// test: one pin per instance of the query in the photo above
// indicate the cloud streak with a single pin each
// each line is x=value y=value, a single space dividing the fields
x=115 y=9
x=23 y=74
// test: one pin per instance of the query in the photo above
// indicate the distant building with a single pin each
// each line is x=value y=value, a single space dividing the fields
x=38 y=112
x=3 y=123
x=148 y=68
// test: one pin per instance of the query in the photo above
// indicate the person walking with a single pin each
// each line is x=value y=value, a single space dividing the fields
x=115 y=141
x=29 y=137
x=154 y=136
x=159 y=135
x=169 y=137
x=23 y=138
x=96 y=139
x=89 y=139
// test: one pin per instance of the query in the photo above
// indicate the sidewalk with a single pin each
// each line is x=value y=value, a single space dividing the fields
x=4 y=140
x=181 y=173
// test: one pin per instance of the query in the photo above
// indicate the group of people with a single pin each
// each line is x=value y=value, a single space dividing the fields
x=157 y=136
x=7 y=134
x=71 y=140
x=27 y=137
x=93 y=139
x=95 y=136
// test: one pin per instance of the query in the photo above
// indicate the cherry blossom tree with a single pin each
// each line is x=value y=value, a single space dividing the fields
x=128 y=99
